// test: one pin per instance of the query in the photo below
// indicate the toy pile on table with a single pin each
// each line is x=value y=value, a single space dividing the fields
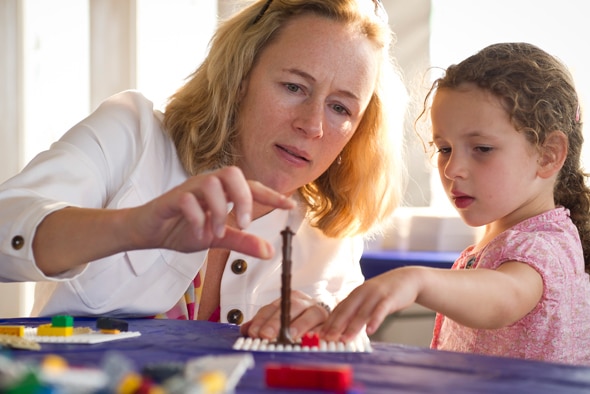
x=116 y=373
x=211 y=374
x=62 y=330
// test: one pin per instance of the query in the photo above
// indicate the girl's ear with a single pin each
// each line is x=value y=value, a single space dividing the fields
x=553 y=154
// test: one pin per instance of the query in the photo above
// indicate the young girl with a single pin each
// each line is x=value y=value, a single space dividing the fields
x=508 y=136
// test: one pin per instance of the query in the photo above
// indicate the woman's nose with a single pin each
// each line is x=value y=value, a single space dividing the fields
x=309 y=118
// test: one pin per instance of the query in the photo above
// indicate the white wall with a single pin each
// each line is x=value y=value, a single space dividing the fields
x=12 y=296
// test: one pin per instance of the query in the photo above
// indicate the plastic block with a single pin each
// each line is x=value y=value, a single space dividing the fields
x=359 y=344
x=108 y=323
x=335 y=377
x=310 y=340
x=46 y=330
x=18 y=331
x=62 y=321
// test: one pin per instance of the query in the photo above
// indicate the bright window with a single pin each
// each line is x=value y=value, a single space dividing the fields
x=56 y=84
x=461 y=27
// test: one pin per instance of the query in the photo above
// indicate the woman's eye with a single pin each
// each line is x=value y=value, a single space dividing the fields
x=341 y=109
x=443 y=150
x=292 y=87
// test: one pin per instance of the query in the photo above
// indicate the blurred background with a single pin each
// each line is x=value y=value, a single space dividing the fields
x=61 y=58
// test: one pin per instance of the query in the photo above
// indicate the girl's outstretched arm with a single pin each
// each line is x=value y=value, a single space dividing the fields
x=478 y=298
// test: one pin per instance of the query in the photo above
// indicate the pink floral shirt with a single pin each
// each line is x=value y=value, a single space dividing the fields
x=558 y=329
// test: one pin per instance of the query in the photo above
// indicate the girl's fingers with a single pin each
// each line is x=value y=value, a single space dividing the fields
x=352 y=314
x=338 y=321
x=312 y=317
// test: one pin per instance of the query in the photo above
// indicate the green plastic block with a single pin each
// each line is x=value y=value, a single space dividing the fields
x=62 y=321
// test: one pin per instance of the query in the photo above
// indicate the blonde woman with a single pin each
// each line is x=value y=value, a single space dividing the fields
x=140 y=213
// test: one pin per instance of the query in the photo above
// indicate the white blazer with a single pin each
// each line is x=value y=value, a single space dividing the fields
x=120 y=156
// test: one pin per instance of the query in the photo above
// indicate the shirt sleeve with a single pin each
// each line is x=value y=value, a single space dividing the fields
x=84 y=168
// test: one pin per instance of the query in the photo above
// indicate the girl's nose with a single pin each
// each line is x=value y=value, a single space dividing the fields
x=454 y=167
x=309 y=118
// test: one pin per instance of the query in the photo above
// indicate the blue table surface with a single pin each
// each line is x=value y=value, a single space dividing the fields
x=377 y=262
x=390 y=368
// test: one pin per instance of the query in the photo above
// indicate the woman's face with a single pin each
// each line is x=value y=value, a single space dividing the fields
x=303 y=101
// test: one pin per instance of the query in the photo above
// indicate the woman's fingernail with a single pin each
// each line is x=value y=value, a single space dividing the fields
x=220 y=230
x=244 y=220
x=199 y=233
x=293 y=332
x=253 y=331
x=267 y=332
x=267 y=251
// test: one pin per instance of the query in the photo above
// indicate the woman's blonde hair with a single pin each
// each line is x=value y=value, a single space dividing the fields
x=357 y=192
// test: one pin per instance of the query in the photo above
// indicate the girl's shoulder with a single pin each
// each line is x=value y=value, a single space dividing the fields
x=547 y=241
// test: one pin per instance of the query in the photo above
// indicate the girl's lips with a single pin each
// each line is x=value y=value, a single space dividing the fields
x=463 y=201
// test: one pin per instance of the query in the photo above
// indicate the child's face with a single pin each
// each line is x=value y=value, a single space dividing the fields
x=487 y=168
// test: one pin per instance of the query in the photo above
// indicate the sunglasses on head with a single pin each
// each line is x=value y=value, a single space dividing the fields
x=379 y=11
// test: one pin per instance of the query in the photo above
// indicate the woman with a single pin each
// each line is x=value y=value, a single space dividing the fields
x=132 y=207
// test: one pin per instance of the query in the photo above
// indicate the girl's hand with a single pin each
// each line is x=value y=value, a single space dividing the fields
x=509 y=293
x=370 y=303
x=306 y=315
x=193 y=215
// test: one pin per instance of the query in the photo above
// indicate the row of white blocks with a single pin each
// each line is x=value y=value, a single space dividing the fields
x=361 y=344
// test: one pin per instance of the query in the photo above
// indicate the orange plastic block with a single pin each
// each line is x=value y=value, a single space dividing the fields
x=18 y=331
x=47 y=330
x=105 y=331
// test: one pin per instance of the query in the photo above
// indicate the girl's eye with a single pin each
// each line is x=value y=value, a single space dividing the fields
x=484 y=149
x=443 y=150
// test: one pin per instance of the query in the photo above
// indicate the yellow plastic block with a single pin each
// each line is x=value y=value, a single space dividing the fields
x=54 y=363
x=129 y=384
x=213 y=382
x=46 y=330
x=18 y=331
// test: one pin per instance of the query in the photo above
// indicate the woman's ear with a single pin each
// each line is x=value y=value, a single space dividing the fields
x=243 y=87
x=553 y=154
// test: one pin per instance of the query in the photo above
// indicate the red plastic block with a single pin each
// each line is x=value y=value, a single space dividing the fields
x=310 y=340
x=335 y=377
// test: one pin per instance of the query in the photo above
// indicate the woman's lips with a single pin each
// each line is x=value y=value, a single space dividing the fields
x=293 y=155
